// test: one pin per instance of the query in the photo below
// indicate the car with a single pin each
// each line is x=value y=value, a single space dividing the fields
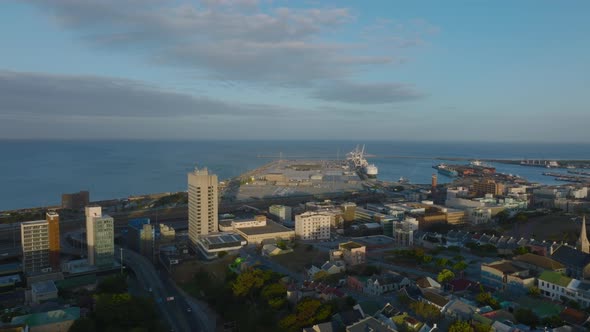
x=189 y=309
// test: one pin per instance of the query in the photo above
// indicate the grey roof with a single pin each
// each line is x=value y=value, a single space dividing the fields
x=369 y=324
x=570 y=256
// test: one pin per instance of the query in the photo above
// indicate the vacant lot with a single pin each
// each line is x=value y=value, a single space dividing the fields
x=555 y=227
x=217 y=269
x=301 y=257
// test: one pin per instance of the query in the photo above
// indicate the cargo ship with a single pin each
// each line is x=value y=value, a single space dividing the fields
x=446 y=170
x=357 y=160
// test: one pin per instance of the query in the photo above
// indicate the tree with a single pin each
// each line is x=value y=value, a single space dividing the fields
x=114 y=284
x=321 y=275
x=481 y=327
x=426 y=311
x=553 y=321
x=442 y=262
x=526 y=317
x=534 y=291
x=426 y=259
x=460 y=326
x=83 y=325
x=460 y=266
x=445 y=276
x=403 y=299
x=521 y=250
x=486 y=298
x=247 y=282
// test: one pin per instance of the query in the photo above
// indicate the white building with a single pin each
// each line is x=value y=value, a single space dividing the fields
x=35 y=246
x=313 y=225
x=282 y=212
x=202 y=204
x=480 y=215
x=100 y=237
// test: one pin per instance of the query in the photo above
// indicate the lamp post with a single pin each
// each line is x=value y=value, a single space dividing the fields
x=121 y=250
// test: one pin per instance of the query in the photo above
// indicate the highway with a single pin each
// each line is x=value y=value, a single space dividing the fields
x=162 y=288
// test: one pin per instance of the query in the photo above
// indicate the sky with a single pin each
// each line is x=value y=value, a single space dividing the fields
x=471 y=70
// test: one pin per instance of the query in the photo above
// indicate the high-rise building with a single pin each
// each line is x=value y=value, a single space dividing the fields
x=313 y=225
x=53 y=227
x=282 y=212
x=583 y=244
x=140 y=236
x=100 y=237
x=434 y=182
x=202 y=204
x=75 y=201
x=488 y=186
x=35 y=246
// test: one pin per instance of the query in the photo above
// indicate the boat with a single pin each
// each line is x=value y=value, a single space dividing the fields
x=356 y=159
x=403 y=180
x=446 y=170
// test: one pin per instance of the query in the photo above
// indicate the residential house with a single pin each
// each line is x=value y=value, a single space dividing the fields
x=457 y=286
x=386 y=282
x=356 y=283
x=369 y=324
x=576 y=318
x=538 y=263
x=559 y=287
x=351 y=253
x=333 y=267
x=504 y=275
x=577 y=263
x=434 y=299
x=458 y=309
x=427 y=283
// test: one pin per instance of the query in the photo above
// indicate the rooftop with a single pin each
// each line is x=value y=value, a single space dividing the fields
x=49 y=317
x=540 y=261
x=271 y=227
x=350 y=245
x=44 y=287
x=555 y=278
x=369 y=324
x=505 y=267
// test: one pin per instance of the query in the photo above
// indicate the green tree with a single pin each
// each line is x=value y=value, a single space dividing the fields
x=442 y=262
x=480 y=327
x=553 y=321
x=445 y=276
x=403 y=299
x=521 y=250
x=486 y=298
x=426 y=259
x=460 y=266
x=460 y=326
x=113 y=284
x=426 y=311
x=83 y=325
x=534 y=291
x=248 y=282
x=526 y=317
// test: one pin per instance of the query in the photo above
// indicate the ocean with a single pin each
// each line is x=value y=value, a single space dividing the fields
x=36 y=173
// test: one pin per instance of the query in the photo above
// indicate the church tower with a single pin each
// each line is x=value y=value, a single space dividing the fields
x=583 y=244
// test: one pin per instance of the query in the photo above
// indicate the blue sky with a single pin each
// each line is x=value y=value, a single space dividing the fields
x=259 y=69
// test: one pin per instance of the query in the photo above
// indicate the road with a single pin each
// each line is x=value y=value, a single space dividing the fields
x=162 y=288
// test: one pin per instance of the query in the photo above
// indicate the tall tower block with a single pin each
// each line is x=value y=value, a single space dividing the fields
x=202 y=204
x=54 y=246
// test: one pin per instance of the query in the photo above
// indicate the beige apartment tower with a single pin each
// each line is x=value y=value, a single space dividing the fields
x=35 y=245
x=100 y=237
x=202 y=204
x=54 y=242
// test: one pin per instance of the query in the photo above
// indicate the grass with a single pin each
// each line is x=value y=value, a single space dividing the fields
x=301 y=258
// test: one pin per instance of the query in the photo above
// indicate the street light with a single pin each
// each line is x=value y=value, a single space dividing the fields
x=121 y=249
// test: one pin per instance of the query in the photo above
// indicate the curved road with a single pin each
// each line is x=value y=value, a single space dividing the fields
x=174 y=311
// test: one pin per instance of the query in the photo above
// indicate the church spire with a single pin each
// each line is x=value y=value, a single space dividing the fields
x=583 y=244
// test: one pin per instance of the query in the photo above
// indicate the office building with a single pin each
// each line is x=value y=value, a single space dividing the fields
x=313 y=225
x=99 y=237
x=75 y=201
x=282 y=212
x=140 y=236
x=35 y=246
x=488 y=186
x=53 y=227
x=202 y=204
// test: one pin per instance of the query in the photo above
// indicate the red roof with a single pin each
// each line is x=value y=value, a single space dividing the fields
x=459 y=285
x=573 y=316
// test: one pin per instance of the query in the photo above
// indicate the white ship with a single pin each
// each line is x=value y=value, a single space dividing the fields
x=358 y=161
